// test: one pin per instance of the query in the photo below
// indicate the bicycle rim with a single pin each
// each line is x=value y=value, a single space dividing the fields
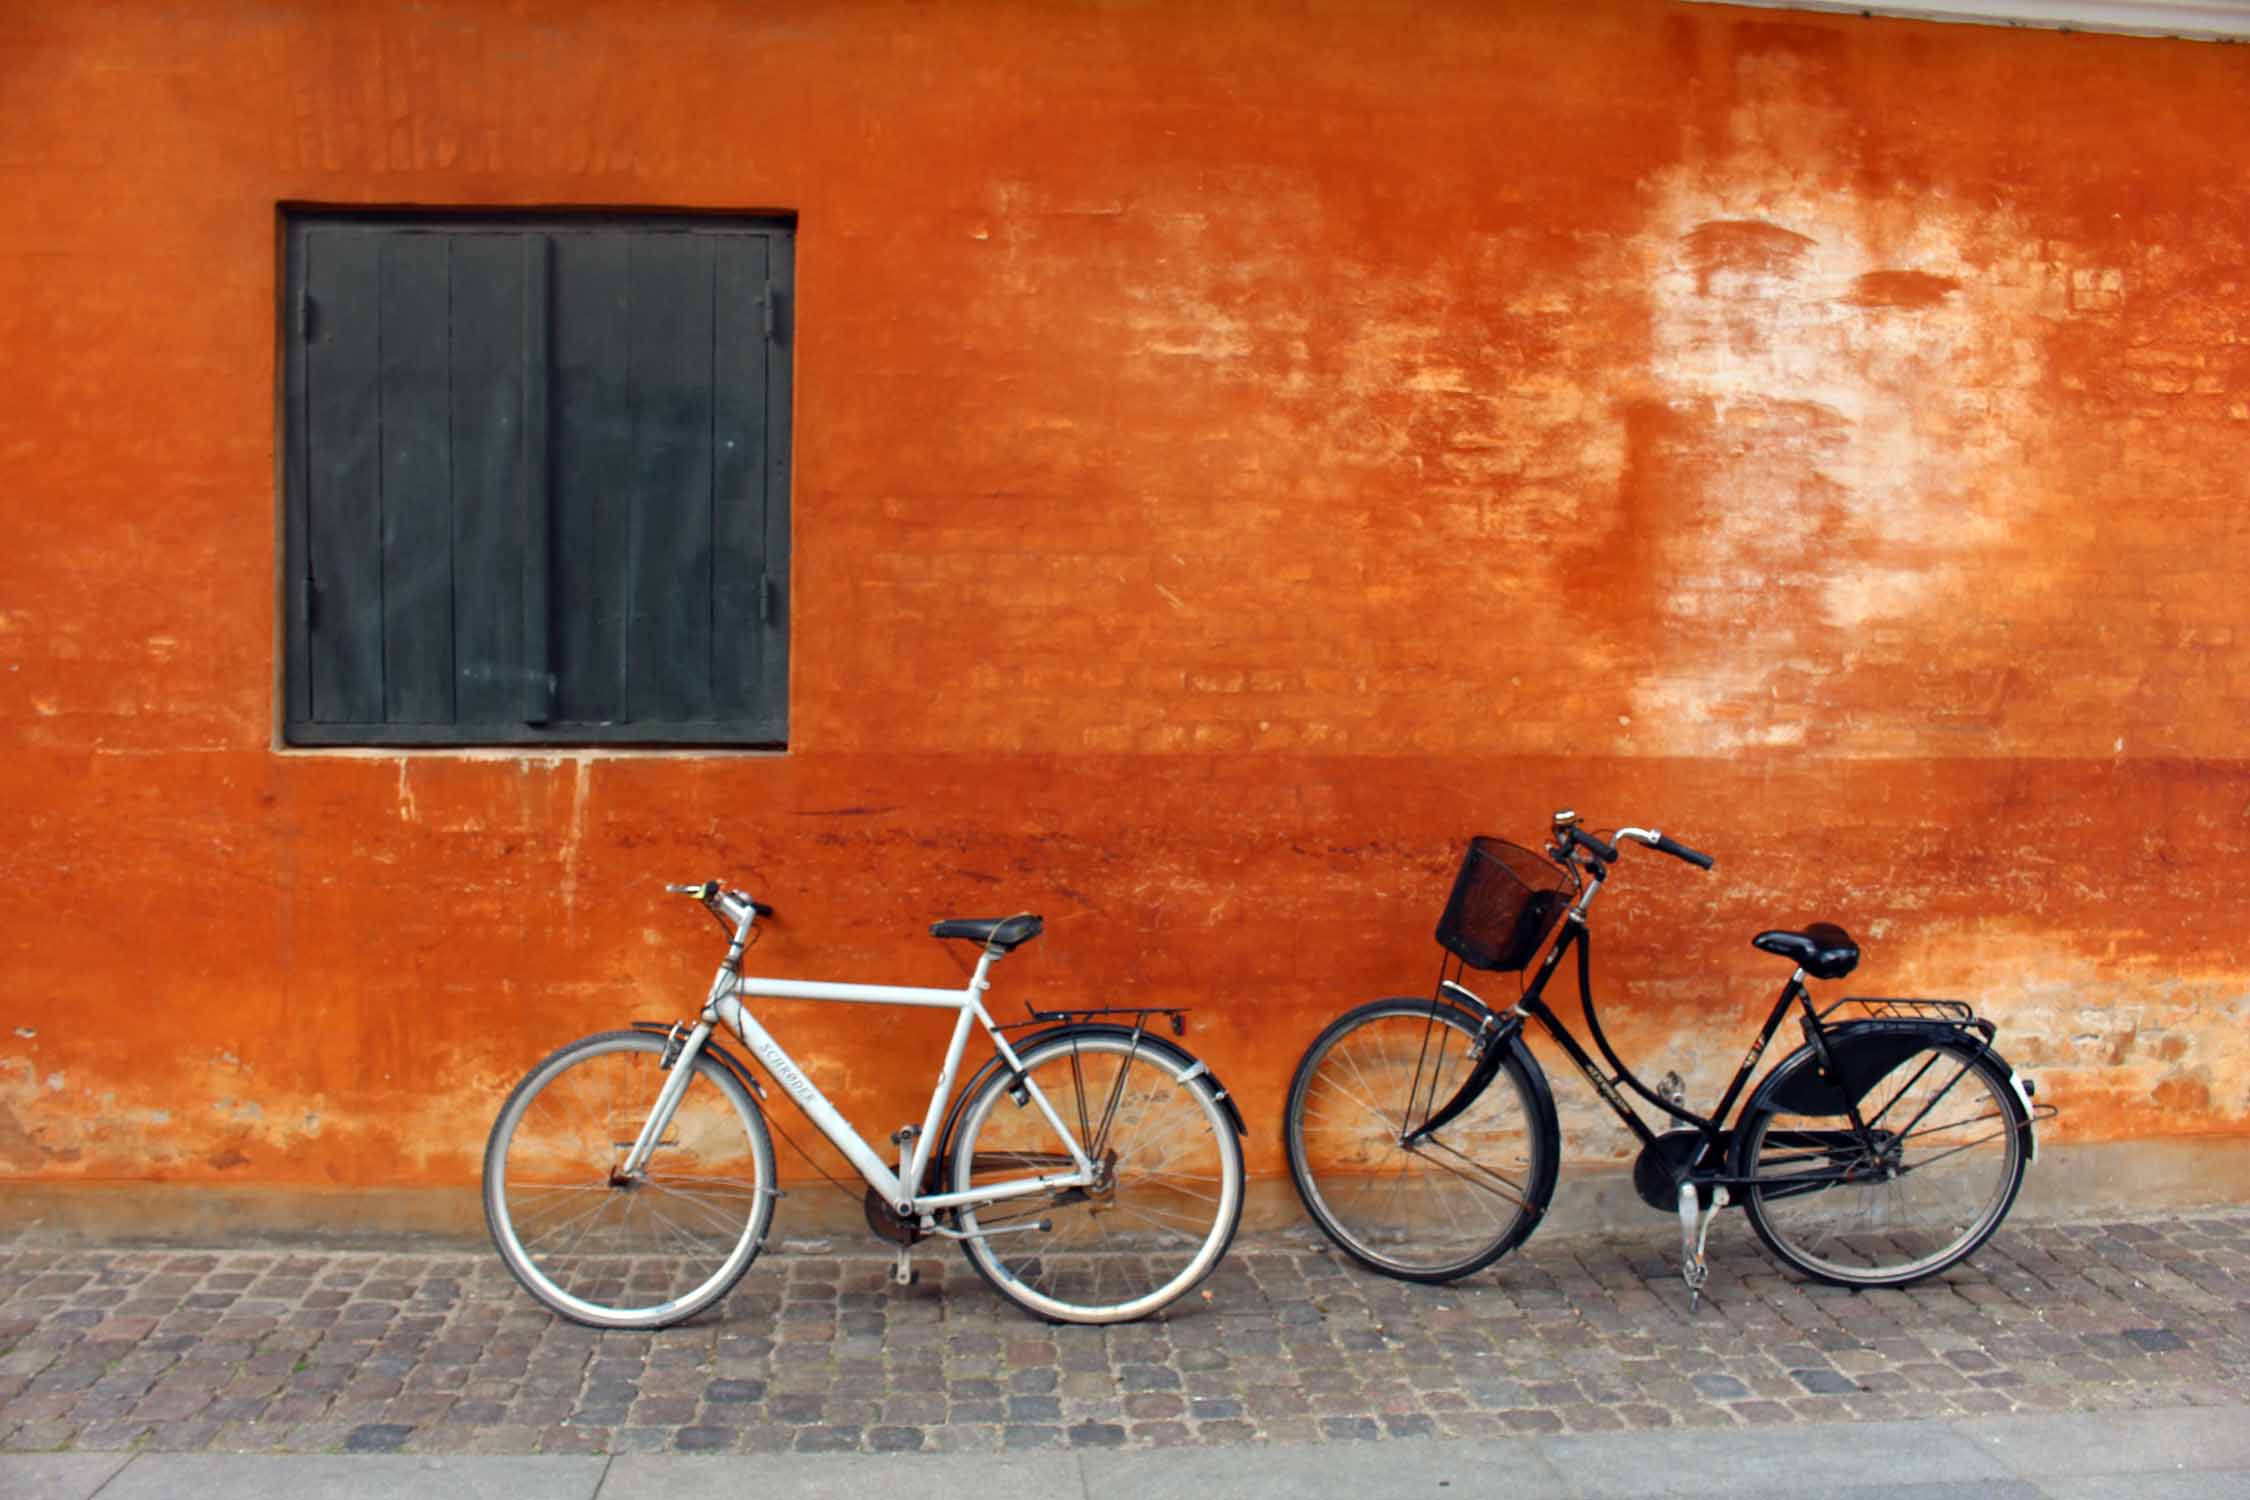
x=1157 y=1224
x=1436 y=1210
x=1941 y=1169
x=615 y=1254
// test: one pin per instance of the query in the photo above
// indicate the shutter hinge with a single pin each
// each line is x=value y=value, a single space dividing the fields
x=769 y=599
x=305 y=317
x=308 y=605
x=773 y=309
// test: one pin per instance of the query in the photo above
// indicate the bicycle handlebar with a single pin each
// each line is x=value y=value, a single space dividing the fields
x=1664 y=845
x=710 y=892
x=1569 y=835
x=1677 y=850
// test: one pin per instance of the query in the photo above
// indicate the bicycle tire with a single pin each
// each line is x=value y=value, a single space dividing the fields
x=1174 y=1214
x=1418 y=1215
x=1908 y=1220
x=564 y=1224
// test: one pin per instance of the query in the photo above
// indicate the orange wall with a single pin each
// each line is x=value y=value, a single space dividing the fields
x=1240 y=451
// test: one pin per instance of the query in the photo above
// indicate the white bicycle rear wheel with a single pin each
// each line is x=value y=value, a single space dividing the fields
x=1167 y=1205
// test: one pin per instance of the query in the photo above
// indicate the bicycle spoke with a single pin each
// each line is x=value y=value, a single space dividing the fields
x=1506 y=1190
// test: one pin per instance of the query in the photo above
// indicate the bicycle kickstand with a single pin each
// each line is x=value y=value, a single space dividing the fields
x=904 y=1274
x=1695 y=1228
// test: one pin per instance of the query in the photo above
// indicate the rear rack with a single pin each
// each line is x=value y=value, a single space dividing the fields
x=1175 y=1014
x=1876 y=1008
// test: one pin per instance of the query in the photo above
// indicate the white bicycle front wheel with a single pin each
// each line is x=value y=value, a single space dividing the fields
x=1163 y=1210
x=611 y=1251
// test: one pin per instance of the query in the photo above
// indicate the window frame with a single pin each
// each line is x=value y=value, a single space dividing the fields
x=765 y=728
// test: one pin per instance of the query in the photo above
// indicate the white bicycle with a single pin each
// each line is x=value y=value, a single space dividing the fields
x=1091 y=1171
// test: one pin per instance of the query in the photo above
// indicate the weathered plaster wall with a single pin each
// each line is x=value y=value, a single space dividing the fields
x=1241 y=451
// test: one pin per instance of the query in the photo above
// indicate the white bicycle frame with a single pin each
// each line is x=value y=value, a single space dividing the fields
x=724 y=1007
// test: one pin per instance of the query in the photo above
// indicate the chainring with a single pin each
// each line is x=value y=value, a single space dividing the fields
x=887 y=1223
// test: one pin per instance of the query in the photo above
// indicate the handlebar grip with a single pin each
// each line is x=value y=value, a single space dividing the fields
x=1678 y=850
x=1606 y=853
x=746 y=899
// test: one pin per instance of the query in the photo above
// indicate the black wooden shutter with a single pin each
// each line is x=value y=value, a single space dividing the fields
x=538 y=479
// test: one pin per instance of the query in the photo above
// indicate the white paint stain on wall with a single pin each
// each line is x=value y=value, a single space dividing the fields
x=1856 y=377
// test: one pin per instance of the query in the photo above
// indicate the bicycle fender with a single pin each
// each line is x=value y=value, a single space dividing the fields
x=1196 y=1066
x=2022 y=1089
x=1489 y=1063
x=1865 y=1051
x=726 y=1059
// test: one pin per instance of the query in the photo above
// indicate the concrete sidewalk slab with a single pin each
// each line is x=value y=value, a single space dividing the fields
x=844 y=1476
x=2231 y=1485
x=56 y=1476
x=1791 y=1460
x=1363 y=1471
x=2185 y=1440
x=377 y=1476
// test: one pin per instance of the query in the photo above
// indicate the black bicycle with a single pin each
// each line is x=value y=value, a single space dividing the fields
x=1423 y=1140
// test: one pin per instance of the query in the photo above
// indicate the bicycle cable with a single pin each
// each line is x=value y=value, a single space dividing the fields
x=810 y=1162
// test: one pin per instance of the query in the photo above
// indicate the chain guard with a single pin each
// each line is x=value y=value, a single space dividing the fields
x=1656 y=1172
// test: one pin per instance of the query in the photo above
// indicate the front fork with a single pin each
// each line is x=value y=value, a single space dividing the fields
x=679 y=1065
x=1490 y=1052
x=677 y=1050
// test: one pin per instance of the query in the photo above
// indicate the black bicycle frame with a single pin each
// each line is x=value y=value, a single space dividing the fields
x=1499 y=1031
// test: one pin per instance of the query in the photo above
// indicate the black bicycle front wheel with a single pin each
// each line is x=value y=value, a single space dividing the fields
x=1446 y=1205
x=1928 y=1181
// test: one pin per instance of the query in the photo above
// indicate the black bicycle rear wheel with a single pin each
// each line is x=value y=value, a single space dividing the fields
x=1926 y=1183
x=1447 y=1205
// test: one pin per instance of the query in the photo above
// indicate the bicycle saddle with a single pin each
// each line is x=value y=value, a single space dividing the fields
x=1822 y=950
x=1004 y=933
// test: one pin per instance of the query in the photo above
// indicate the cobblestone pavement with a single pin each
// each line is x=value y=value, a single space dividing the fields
x=284 y=1351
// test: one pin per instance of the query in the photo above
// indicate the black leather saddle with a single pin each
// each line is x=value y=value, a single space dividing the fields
x=1822 y=950
x=1004 y=933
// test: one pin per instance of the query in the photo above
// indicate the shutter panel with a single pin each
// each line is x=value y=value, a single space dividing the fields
x=592 y=478
x=668 y=650
x=742 y=559
x=489 y=538
x=772 y=706
x=343 y=479
x=417 y=480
